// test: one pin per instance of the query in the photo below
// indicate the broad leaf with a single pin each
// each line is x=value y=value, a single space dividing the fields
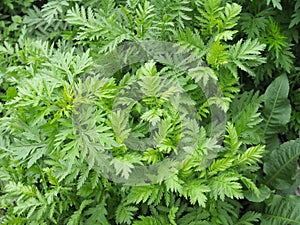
x=282 y=211
x=281 y=165
x=277 y=108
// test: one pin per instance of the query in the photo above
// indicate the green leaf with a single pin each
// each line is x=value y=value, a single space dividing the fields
x=147 y=220
x=124 y=213
x=195 y=191
x=277 y=108
x=119 y=123
x=141 y=194
x=250 y=185
x=191 y=41
x=230 y=16
x=249 y=218
x=225 y=185
x=247 y=55
x=254 y=24
x=75 y=218
x=282 y=211
x=246 y=116
x=264 y=193
x=172 y=215
x=203 y=74
x=217 y=55
x=144 y=17
x=276 y=4
x=174 y=184
x=220 y=165
x=280 y=166
x=251 y=156
x=296 y=15
x=97 y=214
x=231 y=139
x=11 y=92
x=122 y=167
x=30 y=152
x=51 y=10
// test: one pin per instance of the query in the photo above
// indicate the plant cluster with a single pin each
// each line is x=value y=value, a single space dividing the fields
x=82 y=111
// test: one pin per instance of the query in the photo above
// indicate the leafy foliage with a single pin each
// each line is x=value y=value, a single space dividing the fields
x=286 y=207
x=79 y=119
x=281 y=167
x=277 y=108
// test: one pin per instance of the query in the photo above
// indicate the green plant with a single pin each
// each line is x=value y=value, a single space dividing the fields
x=92 y=92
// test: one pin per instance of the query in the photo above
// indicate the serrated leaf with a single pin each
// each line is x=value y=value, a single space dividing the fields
x=122 y=167
x=247 y=54
x=147 y=220
x=276 y=4
x=151 y=194
x=249 y=218
x=174 y=184
x=225 y=185
x=251 y=156
x=124 y=213
x=119 y=122
x=196 y=192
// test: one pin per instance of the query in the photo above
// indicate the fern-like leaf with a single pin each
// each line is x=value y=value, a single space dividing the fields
x=247 y=118
x=75 y=218
x=230 y=15
x=51 y=10
x=191 y=41
x=225 y=185
x=231 y=139
x=251 y=156
x=147 y=220
x=150 y=194
x=276 y=4
x=196 y=192
x=174 y=184
x=249 y=218
x=124 y=213
x=296 y=15
x=144 y=17
x=119 y=123
x=246 y=55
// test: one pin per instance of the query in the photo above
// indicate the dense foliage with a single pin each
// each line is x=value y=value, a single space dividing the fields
x=84 y=110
